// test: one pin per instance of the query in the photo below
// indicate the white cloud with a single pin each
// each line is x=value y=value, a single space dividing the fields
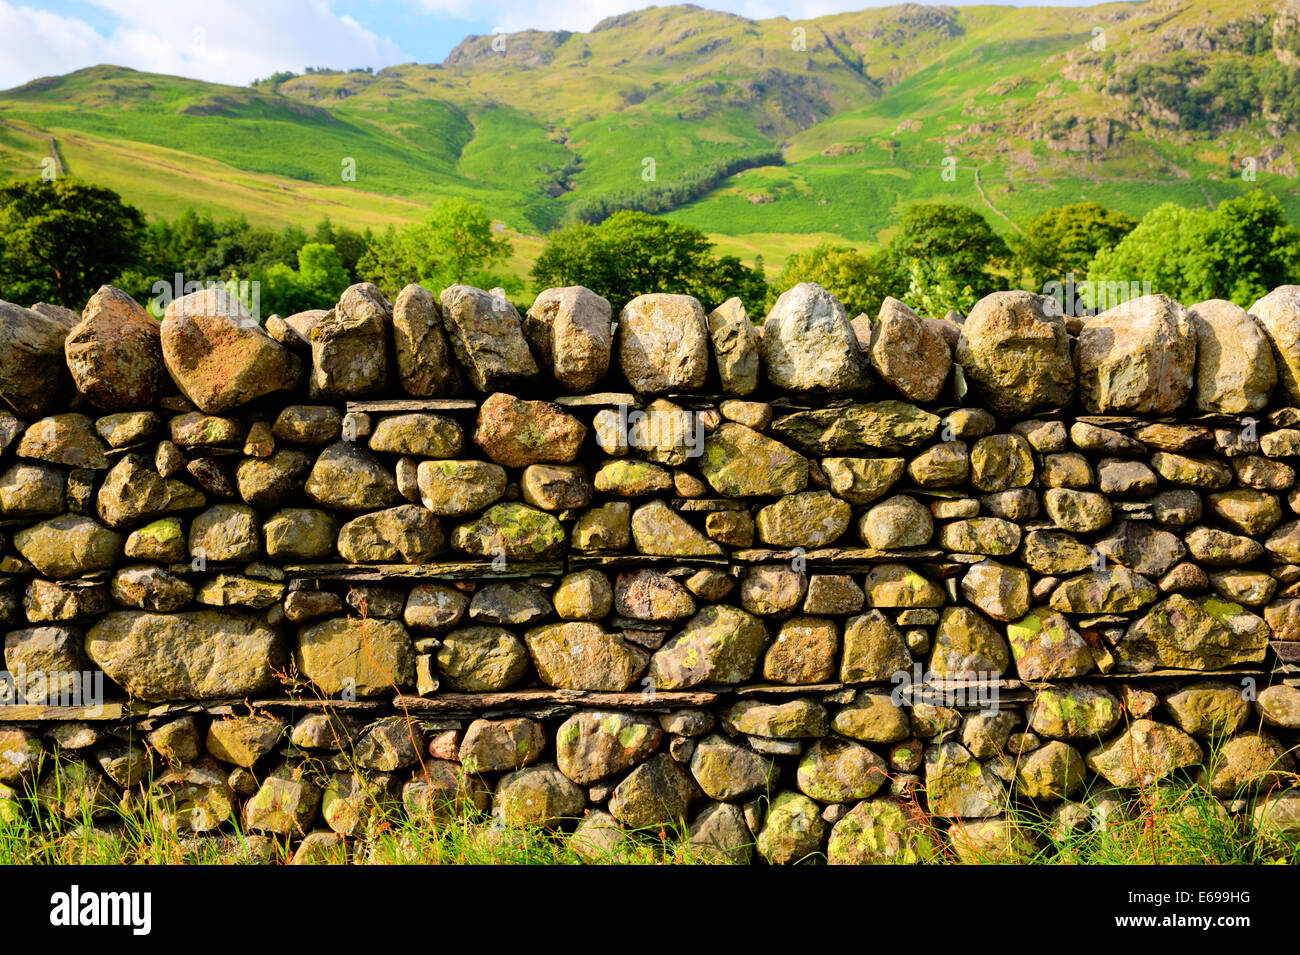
x=224 y=41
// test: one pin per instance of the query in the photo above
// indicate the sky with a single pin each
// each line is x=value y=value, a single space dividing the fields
x=237 y=41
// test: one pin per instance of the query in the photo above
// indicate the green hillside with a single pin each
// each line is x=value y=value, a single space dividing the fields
x=1127 y=104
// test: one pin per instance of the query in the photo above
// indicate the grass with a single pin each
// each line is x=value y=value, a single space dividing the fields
x=1174 y=821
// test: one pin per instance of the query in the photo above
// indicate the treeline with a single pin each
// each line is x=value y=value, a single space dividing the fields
x=60 y=240
x=657 y=197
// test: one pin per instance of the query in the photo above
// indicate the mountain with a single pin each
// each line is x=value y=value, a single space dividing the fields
x=1009 y=109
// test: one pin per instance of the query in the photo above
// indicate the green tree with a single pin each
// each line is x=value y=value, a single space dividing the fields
x=949 y=244
x=455 y=244
x=1239 y=251
x=634 y=253
x=859 y=280
x=60 y=240
x=1065 y=240
x=317 y=282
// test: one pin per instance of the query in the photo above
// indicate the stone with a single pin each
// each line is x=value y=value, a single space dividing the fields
x=1001 y=461
x=740 y=462
x=1142 y=548
x=862 y=480
x=897 y=585
x=803 y=653
x=1252 y=588
x=1263 y=474
x=1208 y=710
x=162 y=540
x=487 y=337
x=356 y=655
x=125 y=428
x=958 y=786
x=308 y=424
x=286 y=803
x=881 y=832
x=583 y=595
x=598 y=838
x=33 y=369
x=482 y=659
x=1126 y=478
x=1139 y=357
x=990 y=536
x=1276 y=313
x=583 y=656
x=509 y=602
x=1207 y=634
x=300 y=534
x=898 y=522
x=907 y=353
x=556 y=487
x=728 y=771
x=719 y=835
x=52 y=601
x=996 y=841
x=569 y=331
x=68 y=546
x=1045 y=646
x=1079 y=512
x=243 y=740
x=31 y=490
x=200 y=655
x=114 y=353
x=1000 y=591
x=592 y=745
x=874 y=650
x=659 y=531
x=1114 y=590
x=45 y=665
x=219 y=356
x=808 y=519
x=796 y=719
x=1217 y=548
x=66 y=439
x=808 y=343
x=663 y=343
x=151 y=588
x=1145 y=752
x=21 y=755
x=792 y=830
x=631 y=478
x=650 y=595
x=1074 y=712
x=1249 y=762
x=407 y=534
x=772 y=590
x=1053 y=772
x=874 y=426
x=421 y=435
x=425 y=365
x=348 y=478
x=226 y=532
x=944 y=465
x=353 y=805
x=1253 y=513
x=1279 y=705
x=836 y=594
x=389 y=744
x=459 y=488
x=1015 y=352
x=515 y=531
x=718 y=645
x=516 y=433
x=837 y=770
x=656 y=794
x=1235 y=373
x=442 y=791
x=968 y=647
x=873 y=718
x=736 y=349
x=1053 y=552
x=1192 y=472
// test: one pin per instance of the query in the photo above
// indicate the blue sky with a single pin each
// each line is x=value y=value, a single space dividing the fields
x=235 y=41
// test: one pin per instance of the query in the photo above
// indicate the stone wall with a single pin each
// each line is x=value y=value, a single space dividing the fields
x=854 y=587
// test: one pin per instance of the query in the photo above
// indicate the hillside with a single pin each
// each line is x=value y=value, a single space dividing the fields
x=1128 y=104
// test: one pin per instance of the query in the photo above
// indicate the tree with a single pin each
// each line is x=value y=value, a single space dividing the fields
x=317 y=283
x=858 y=280
x=634 y=253
x=949 y=243
x=60 y=240
x=455 y=244
x=1064 y=240
x=1239 y=251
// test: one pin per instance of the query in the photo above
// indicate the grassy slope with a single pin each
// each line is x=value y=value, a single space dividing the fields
x=865 y=113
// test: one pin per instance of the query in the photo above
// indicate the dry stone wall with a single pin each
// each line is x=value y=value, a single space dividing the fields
x=854 y=588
